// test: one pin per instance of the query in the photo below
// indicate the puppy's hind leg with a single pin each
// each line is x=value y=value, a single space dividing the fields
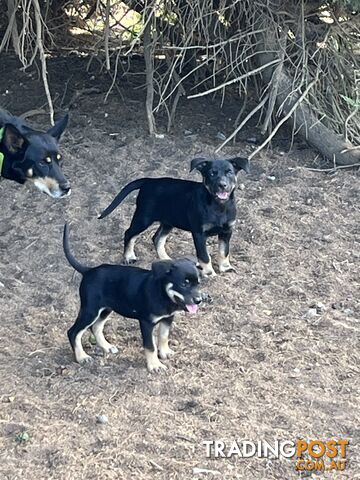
x=84 y=320
x=159 y=240
x=97 y=330
x=139 y=223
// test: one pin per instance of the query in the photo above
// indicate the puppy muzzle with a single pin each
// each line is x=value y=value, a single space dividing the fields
x=187 y=303
x=194 y=306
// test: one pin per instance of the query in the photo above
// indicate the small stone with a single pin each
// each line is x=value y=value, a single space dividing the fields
x=242 y=186
x=187 y=133
x=252 y=140
x=320 y=308
x=349 y=311
x=102 y=419
x=309 y=201
x=312 y=312
x=220 y=136
x=281 y=153
x=106 y=115
x=271 y=178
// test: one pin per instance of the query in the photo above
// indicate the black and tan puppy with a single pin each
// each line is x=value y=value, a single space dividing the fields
x=204 y=209
x=151 y=296
x=27 y=155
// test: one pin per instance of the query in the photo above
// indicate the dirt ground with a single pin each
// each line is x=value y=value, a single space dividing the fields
x=274 y=356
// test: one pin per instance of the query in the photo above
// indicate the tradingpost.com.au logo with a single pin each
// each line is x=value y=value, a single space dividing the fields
x=312 y=455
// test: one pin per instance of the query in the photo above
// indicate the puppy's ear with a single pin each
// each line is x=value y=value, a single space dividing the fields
x=240 y=163
x=161 y=268
x=58 y=129
x=199 y=164
x=12 y=139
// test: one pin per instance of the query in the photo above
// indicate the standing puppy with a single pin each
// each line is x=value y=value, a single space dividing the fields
x=204 y=209
x=151 y=296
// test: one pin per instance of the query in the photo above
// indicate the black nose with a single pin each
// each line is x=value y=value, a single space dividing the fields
x=197 y=300
x=65 y=186
x=222 y=184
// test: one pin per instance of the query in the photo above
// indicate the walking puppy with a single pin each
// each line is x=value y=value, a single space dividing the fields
x=29 y=155
x=151 y=296
x=204 y=209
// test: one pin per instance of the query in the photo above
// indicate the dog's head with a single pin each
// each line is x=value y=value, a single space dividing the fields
x=35 y=157
x=181 y=280
x=219 y=176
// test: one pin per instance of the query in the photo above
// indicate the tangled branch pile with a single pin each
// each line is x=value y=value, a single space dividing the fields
x=301 y=57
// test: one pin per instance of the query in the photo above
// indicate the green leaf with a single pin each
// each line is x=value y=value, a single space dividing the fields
x=350 y=101
x=22 y=437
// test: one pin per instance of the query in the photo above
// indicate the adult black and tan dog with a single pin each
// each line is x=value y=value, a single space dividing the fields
x=151 y=296
x=204 y=209
x=30 y=155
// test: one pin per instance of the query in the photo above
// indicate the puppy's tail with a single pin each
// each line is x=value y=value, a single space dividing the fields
x=69 y=256
x=130 y=187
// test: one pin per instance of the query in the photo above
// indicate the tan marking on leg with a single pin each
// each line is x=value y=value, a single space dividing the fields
x=80 y=355
x=224 y=261
x=129 y=254
x=163 y=341
x=207 y=269
x=152 y=361
x=97 y=329
x=160 y=248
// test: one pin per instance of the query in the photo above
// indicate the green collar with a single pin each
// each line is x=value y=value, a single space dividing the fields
x=1 y=154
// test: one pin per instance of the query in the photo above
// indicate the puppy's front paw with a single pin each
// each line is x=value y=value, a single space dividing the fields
x=129 y=260
x=165 y=353
x=84 y=359
x=226 y=267
x=156 y=367
x=209 y=273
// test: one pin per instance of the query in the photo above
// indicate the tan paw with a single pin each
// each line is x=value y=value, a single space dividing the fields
x=166 y=353
x=156 y=367
x=84 y=359
x=129 y=259
x=210 y=272
x=226 y=267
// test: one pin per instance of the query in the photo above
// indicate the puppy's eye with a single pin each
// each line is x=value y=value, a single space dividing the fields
x=228 y=172
x=58 y=157
x=48 y=160
x=186 y=282
x=211 y=173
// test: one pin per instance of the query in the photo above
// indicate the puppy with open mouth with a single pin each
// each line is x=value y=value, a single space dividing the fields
x=204 y=209
x=151 y=296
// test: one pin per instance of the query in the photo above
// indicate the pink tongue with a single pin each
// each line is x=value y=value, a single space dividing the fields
x=192 y=308
x=222 y=195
